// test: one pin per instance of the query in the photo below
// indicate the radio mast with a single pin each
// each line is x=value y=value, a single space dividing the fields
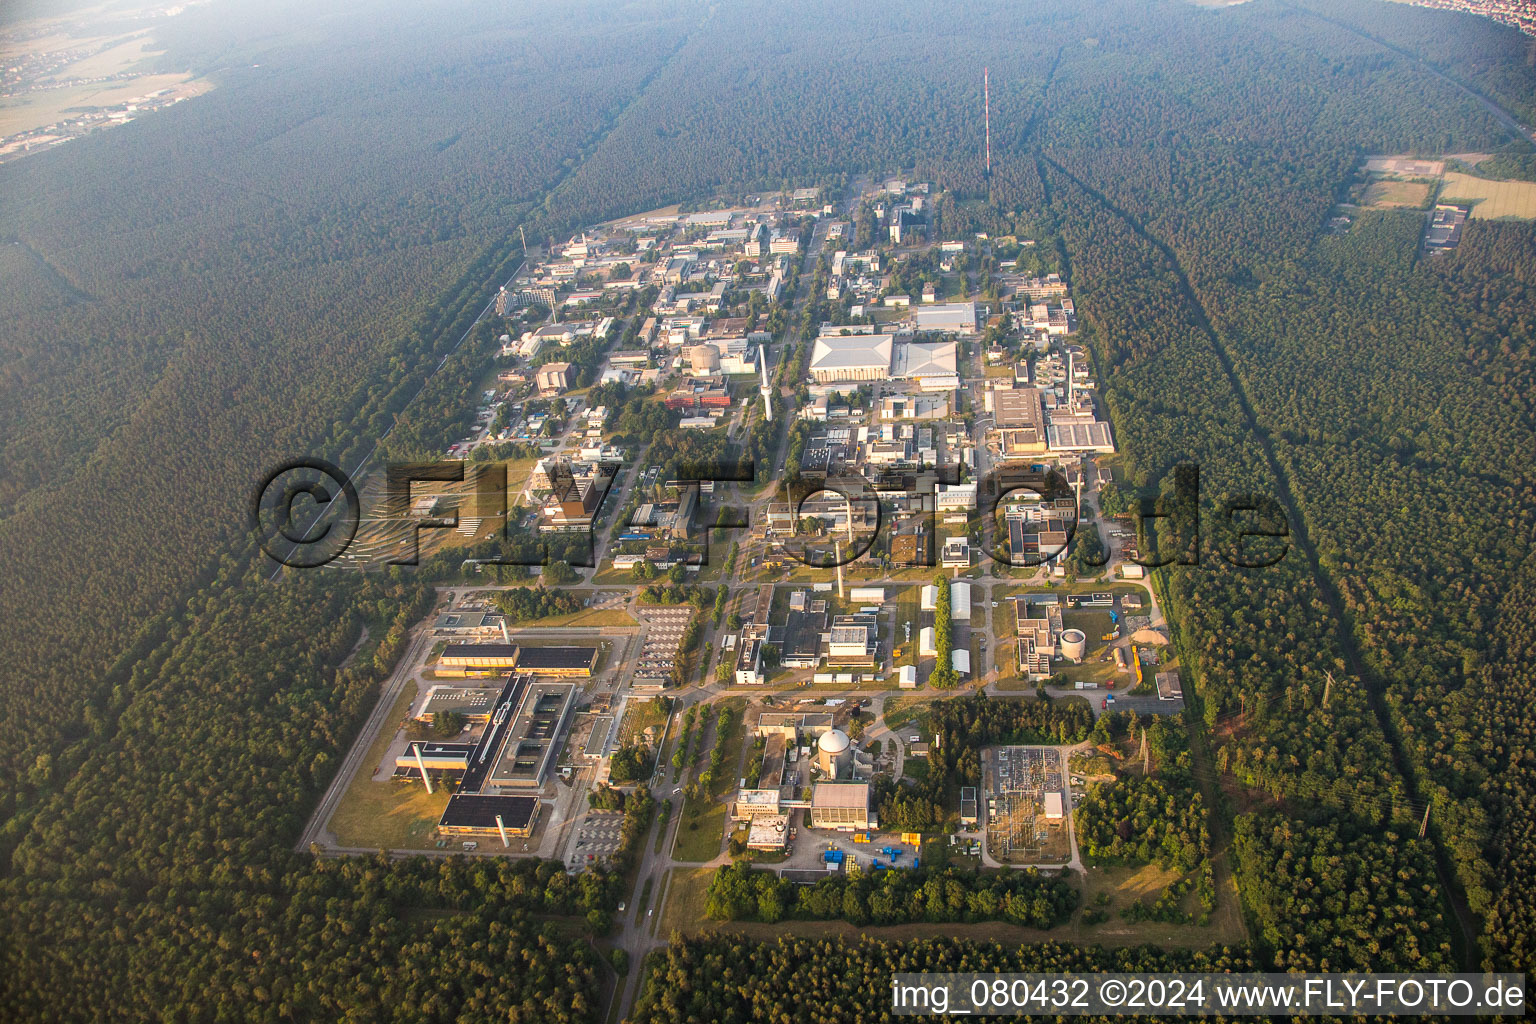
x=986 y=93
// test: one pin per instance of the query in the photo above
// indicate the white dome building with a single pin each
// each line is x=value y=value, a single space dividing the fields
x=834 y=753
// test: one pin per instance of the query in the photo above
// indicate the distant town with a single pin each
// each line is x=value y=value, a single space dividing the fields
x=63 y=78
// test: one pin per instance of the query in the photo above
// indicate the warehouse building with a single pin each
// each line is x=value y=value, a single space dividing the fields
x=436 y=758
x=837 y=358
x=557 y=661
x=933 y=364
x=476 y=659
x=948 y=317
x=476 y=815
x=841 y=805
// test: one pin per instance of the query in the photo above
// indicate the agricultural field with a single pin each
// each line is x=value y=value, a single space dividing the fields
x=1491 y=199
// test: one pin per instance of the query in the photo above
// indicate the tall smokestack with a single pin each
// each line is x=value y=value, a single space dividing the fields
x=986 y=92
x=423 y=766
x=767 y=389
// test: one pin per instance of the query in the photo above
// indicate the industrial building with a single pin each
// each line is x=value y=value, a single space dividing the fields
x=794 y=726
x=948 y=317
x=968 y=809
x=839 y=358
x=751 y=803
x=749 y=661
x=435 y=758
x=932 y=364
x=841 y=805
x=475 y=815
x=476 y=659
x=834 y=753
x=530 y=745
x=768 y=832
x=556 y=661
x=473 y=702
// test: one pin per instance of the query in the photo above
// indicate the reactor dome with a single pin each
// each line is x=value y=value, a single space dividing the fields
x=833 y=741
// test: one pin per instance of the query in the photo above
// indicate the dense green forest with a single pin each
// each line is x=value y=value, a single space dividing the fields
x=275 y=268
x=895 y=896
x=725 y=978
x=1141 y=818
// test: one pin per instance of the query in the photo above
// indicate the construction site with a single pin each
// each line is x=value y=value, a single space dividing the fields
x=1026 y=819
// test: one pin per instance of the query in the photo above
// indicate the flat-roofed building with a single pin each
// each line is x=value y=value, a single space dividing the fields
x=476 y=659
x=794 y=726
x=1019 y=417
x=477 y=815
x=557 y=661
x=473 y=702
x=840 y=805
x=1077 y=433
x=752 y=803
x=530 y=744
x=968 y=808
x=948 y=317
x=445 y=758
x=749 y=661
x=768 y=832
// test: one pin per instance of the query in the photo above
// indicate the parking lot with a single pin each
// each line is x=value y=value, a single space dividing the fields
x=596 y=838
x=664 y=632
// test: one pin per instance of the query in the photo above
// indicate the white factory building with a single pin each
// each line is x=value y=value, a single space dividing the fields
x=949 y=317
x=837 y=358
x=934 y=365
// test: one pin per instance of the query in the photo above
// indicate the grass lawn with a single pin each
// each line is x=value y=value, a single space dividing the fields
x=908 y=610
x=701 y=831
x=589 y=617
x=1413 y=194
x=663 y=816
x=1125 y=885
x=683 y=909
x=611 y=577
x=1017 y=685
x=388 y=815
x=902 y=713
